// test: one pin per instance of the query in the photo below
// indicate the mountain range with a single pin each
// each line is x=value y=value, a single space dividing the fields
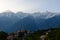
x=10 y=21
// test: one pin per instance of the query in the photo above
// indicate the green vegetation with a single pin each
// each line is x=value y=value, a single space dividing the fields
x=3 y=35
x=49 y=34
x=54 y=34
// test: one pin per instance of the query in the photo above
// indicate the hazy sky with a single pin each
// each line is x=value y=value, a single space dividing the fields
x=30 y=5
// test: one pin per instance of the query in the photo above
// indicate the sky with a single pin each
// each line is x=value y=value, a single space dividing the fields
x=30 y=5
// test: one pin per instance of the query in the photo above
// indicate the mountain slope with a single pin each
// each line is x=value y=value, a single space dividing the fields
x=10 y=21
x=28 y=23
x=52 y=22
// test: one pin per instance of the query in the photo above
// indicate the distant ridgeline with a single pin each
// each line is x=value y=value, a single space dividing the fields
x=10 y=21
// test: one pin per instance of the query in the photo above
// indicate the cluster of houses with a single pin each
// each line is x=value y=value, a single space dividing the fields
x=21 y=35
x=18 y=35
